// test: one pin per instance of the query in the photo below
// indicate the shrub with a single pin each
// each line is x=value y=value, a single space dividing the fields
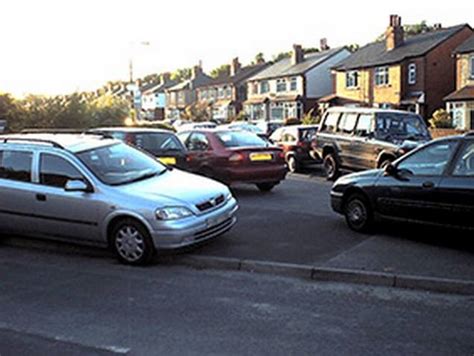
x=441 y=120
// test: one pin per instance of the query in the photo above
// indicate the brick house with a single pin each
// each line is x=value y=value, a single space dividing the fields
x=154 y=98
x=460 y=104
x=412 y=73
x=225 y=94
x=292 y=86
x=182 y=95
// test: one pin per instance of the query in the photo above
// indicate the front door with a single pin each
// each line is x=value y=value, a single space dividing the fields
x=412 y=193
x=363 y=146
x=64 y=214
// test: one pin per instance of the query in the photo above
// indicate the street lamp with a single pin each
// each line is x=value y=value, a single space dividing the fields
x=134 y=89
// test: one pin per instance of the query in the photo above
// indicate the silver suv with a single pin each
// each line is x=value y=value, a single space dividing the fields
x=96 y=190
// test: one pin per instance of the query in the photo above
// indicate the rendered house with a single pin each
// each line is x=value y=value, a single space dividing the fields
x=413 y=73
x=292 y=86
x=184 y=94
x=225 y=95
x=460 y=104
x=154 y=98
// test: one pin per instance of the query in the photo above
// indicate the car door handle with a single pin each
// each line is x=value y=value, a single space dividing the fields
x=428 y=185
x=40 y=197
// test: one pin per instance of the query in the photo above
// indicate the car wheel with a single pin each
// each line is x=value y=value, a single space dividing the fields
x=265 y=187
x=331 y=166
x=293 y=165
x=358 y=213
x=132 y=243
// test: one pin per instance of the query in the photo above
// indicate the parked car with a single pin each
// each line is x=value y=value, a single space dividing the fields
x=296 y=142
x=268 y=127
x=197 y=125
x=101 y=191
x=433 y=185
x=162 y=144
x=359 y=139
x=234 y=156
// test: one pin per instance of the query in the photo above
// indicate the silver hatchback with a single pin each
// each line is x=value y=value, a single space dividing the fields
x=100 y=191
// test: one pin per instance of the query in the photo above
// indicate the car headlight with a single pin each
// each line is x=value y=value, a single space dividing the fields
x=228 y=196
x=173 y=213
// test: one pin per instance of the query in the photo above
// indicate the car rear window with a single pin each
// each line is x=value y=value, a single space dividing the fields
x=392 y=124
x=308 y=134
x=347 y=123
x=240 y=139
x=153 y=142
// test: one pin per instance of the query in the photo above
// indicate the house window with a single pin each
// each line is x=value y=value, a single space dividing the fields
x=281 y=85
x=412 y=73
x=294 y=84
x=381 y=76
x=352 y=79
x=228 y=92
x=472 y=66
x=220 y=92
x=264 y=87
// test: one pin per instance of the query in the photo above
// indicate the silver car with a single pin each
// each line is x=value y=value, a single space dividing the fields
x=100 y=191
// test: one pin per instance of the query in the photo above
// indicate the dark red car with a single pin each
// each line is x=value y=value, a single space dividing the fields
x=233 y=156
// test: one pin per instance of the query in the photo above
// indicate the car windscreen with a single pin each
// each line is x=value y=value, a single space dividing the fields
x=120 y=164
x=307 y=134
x=240 y=139
x=400 y=125
x=157 y=142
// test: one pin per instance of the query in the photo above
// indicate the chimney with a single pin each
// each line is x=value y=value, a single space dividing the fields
x=323 y=44
x=297 y=56
x=165 y=78
x=235 y=66
x=394 y=36
x=196 y=71
x=138 y=83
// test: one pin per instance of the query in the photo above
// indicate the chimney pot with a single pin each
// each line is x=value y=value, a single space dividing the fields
x=323 y=44
x=235 y=66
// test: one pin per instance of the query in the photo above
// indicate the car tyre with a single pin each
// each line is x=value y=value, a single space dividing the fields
x=265 y=187
x=331 y=166
x=358 y=213
x=293 y=164
x=132 y=243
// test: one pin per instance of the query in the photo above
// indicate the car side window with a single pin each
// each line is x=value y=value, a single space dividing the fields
x=197 y=142
x=330 y=122
x=347 y=123
x=16 y=165
x=365 y=125
x=465 y=164
x=55 y=171
x=431 y=160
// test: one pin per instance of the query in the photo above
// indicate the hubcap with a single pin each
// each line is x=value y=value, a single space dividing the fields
x=130 y=244
x=329 y=166
x=356 y=212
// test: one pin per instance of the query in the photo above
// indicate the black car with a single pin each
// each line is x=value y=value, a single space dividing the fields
x=162 y=144
x=433 y=184
x=360 y=139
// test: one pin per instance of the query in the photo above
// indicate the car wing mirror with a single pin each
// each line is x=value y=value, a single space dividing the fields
x=398 y=173
x=76 y=185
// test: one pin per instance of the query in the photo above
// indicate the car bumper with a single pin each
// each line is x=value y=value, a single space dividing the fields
x=196 y=229
x=337 y=202
x=254 y=174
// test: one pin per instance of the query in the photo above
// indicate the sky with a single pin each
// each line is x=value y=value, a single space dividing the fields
x=57 y=47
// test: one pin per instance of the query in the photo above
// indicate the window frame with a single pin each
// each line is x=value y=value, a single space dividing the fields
x=352 y=79
x=382 y=76
x=281 y=85
x=32 y=164
x=264 y=84
x=294 y=84
x=70 y=162
x=412 y=73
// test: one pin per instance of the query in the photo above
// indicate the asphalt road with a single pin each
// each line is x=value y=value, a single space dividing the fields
x=295 y=224
x=53 y=304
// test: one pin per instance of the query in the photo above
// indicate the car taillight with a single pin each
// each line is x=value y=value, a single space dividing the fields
x=236 y=157
x=188 y=158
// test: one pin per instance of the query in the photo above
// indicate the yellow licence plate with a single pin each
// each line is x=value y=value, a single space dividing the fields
x=167 y=160
x=260 y=157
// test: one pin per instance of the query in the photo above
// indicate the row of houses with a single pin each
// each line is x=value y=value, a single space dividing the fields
x=419 y=73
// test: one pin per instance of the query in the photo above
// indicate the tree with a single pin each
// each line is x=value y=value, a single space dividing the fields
x=413 y=29
x=181 y=74
x=222 y=70
x=353 y=47
x=197 y=112
x=280 y=56
x=259 y=58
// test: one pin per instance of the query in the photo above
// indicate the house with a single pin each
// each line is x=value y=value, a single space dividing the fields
x=154 y=98
x=292 y=86
x=460 y=104
x=407 y=72
x=182 y=95
x=225 y=95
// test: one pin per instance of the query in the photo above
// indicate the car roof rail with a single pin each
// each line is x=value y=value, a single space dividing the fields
x=33 y=140
x=67 y=131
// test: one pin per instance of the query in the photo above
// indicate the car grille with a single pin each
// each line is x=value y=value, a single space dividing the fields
x=212 y=203
x=214 y=230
